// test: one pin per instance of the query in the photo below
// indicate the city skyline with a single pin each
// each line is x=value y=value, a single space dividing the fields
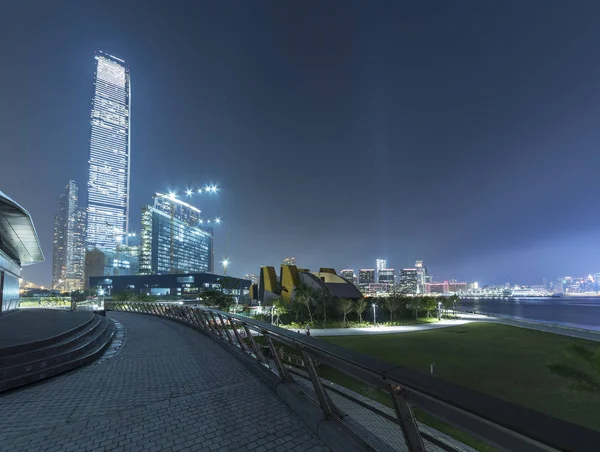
x=482 y=149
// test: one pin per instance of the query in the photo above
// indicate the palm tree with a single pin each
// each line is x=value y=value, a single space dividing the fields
x=360 y=307
x=304 y=295
x=346 y=306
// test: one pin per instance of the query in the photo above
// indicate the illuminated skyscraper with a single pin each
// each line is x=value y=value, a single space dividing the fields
x=175 y=239
x=110 y=152
x=69 y=243
x=380 y=264
x=366 y=276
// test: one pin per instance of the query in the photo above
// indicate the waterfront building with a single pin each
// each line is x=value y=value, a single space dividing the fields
x=456 y=286
x=110 y=153
x=437 y=287
x=174 y=238
x=69 y=242
x=408 y=281
x=366 y=276
x=19 y=247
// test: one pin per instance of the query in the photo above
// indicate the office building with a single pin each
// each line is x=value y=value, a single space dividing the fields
x=349 y=275
x=379 y=265
x=180 y=285
x=124 y=261
x=69 y=242
x=423 y=277
x=437 y=287
x=366 y=276
x=19 y=247
x=174 y=238
x=110 y=152
x=387 y=276
x=457 y=286
x=408 y=281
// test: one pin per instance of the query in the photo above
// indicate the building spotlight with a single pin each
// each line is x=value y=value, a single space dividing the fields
x=200 y=190
x=172 y=195
x=218 y=220
x=189 y=192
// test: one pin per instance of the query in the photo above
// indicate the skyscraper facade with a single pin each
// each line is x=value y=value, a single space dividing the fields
x=174 y=238
x=69 y=241
x=110 y=152
x=387 y=276
x=366 y=276
x=380 y=264
x=423 y=276
x=408 y=281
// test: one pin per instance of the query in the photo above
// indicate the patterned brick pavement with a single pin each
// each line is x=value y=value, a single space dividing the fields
x=169 y=388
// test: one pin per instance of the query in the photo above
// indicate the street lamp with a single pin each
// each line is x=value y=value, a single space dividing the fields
x=374 y=314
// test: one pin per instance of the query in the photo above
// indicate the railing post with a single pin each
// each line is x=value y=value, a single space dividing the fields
x=259 y=355
x=406 y=419
x=224 y=326
x=237 y=335
x=325 y=401
x=283 y=372
x=217 y=326
x=211 y=327
x=199 y=318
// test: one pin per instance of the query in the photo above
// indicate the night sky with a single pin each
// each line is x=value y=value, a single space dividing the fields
x=463 y=133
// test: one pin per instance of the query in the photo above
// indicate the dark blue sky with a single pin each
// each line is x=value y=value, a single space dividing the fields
x=461 y=133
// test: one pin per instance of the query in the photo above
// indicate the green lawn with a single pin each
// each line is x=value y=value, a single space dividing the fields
x=504 y=361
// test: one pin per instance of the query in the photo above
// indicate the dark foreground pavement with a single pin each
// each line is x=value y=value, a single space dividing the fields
x=167 y=388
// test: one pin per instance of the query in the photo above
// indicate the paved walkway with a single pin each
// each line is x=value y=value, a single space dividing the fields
x=464 y=318
x=168 y=388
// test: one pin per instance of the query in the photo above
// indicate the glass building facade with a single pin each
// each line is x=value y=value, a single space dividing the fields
x=109 y=158
x=173 y=240
x=69 y=241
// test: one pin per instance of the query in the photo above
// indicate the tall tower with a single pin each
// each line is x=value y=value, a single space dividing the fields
x=69 y=246
x=381 y=264
x=110 y=154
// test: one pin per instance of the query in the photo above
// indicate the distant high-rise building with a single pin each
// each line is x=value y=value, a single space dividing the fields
x=408 y=283
x=110 y=153
x=387 y=276
x=457 y=286
x=69 y=242
x=379 y=264
x=289 y=261
x=349 y=275
x=252 y=278
x=174 y=238
x=423 y=276
x=366 y=276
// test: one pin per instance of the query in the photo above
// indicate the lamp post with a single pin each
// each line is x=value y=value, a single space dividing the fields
x=374 y=314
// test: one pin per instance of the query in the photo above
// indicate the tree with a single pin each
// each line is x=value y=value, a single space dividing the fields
x=359 y=308
x=429 y=305
x=280 y=307
x=416 y=305
x=323 y=300
x=346 y=307
x=455 y=303
x=304 y=295
x=446 y=303
x=392 y=303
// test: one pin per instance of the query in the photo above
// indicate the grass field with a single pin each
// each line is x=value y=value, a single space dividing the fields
x=504 y=361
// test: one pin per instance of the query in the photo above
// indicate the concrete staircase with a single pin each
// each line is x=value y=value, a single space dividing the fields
x=30 y=362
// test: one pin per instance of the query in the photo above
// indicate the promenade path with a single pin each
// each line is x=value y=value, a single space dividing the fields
x=464 y=318
x=167 y=388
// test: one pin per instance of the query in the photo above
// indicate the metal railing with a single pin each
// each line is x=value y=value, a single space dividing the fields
x=497 y=423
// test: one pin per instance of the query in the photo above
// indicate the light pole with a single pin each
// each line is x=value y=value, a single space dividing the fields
x=374 y=314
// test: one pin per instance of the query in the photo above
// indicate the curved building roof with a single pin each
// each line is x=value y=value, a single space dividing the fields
x=18 y=232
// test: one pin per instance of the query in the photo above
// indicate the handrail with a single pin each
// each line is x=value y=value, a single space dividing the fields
x=496 y=421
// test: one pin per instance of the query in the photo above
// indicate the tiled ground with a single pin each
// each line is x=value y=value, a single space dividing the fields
x=168 y=388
